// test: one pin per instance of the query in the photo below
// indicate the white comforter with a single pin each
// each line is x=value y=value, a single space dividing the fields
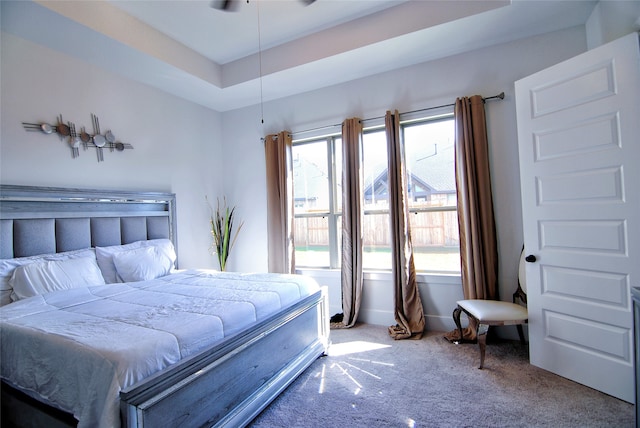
x=76 y=349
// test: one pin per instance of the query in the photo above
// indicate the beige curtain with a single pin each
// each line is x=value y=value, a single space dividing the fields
x=478 y=245
x=352 y=220
x=408 y=310
x=280 y=229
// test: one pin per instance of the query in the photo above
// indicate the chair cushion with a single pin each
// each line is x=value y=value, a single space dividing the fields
x=494 y=310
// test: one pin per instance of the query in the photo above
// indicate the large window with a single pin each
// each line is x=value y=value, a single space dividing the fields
x=376 y=238
x=317 y=183
x=429 y=154
x=429 y=160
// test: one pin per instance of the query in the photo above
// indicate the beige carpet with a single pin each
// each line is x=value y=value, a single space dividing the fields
x=370 y=380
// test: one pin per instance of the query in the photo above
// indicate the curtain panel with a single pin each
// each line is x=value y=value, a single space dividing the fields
x=352 y=220
x=280 y=202
x=408 y=310
x=478 y=243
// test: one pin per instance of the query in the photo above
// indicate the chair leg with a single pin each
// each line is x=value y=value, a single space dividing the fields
x=520 y=333
x=456 y=319
x=481 y=335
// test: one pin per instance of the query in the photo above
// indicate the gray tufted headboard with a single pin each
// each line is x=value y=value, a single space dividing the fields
x=43 y=220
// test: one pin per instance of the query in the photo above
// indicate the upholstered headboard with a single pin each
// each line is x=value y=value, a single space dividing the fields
x=43 y=220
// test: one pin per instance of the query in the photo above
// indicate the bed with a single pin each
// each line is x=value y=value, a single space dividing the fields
x=118 y=335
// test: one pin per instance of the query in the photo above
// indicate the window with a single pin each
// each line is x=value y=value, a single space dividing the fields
x=376 y=252
x=316 y=164
x=429 y=157
x=429 y=154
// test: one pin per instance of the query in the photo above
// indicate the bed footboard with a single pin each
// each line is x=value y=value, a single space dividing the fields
x=230 y=384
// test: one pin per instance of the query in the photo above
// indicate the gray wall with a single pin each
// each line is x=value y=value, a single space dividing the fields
x=176 y=144
x=486 y=71
x=193 y=151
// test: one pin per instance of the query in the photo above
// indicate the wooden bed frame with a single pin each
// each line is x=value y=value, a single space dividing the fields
x=228 y=384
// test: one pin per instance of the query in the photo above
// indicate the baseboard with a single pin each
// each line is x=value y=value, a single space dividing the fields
x=386 y=318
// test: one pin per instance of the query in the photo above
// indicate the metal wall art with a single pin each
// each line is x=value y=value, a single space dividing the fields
x=67 y=131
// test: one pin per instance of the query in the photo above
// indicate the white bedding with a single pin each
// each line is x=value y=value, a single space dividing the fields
x=76 y=349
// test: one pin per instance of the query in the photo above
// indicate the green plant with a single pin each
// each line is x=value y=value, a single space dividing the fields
x=222 y=231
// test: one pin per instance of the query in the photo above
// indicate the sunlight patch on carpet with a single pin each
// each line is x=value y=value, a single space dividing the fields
x=362 y=370
x=348 y=375
x=322 y=379
x=363 y=360
x=340 y=349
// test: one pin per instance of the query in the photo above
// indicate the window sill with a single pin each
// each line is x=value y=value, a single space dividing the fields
x=369 y=275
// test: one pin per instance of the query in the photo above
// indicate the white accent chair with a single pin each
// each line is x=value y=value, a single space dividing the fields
x=495 y=312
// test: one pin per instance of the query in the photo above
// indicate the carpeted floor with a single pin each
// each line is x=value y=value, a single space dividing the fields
x=370 y=380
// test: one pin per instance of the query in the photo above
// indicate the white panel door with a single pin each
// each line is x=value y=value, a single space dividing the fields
x=579 y=143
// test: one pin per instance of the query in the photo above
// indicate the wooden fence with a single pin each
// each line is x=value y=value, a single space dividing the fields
x=428 y=230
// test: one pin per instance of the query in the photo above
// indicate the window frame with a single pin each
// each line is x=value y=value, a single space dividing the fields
x=334 y=215
x=446 y=114
x=416 y=122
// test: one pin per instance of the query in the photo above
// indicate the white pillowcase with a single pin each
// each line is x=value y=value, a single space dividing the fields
x=53 y=275
x=7 y=266
x=105 y=256
x=141 y=264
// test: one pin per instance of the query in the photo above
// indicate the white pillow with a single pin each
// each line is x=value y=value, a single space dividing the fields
x=141 y=264
x=167 y=248
x=53 y=275
x=105 y=256
x=7 y=266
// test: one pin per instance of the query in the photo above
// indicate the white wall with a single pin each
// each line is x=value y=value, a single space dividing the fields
x=487 y=72
x=611 y=20
x=193 y=151
x=176 y=144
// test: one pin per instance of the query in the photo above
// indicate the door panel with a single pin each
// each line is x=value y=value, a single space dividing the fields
x=578 y=128
x=576 y=88
x=604 y=288
x=596 y=237
x=592 y=134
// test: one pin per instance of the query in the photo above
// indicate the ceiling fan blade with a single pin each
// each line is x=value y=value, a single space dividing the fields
x=232 y=5
x=226 y=5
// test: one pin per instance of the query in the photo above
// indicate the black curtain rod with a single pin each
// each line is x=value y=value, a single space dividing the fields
x=499 y=96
